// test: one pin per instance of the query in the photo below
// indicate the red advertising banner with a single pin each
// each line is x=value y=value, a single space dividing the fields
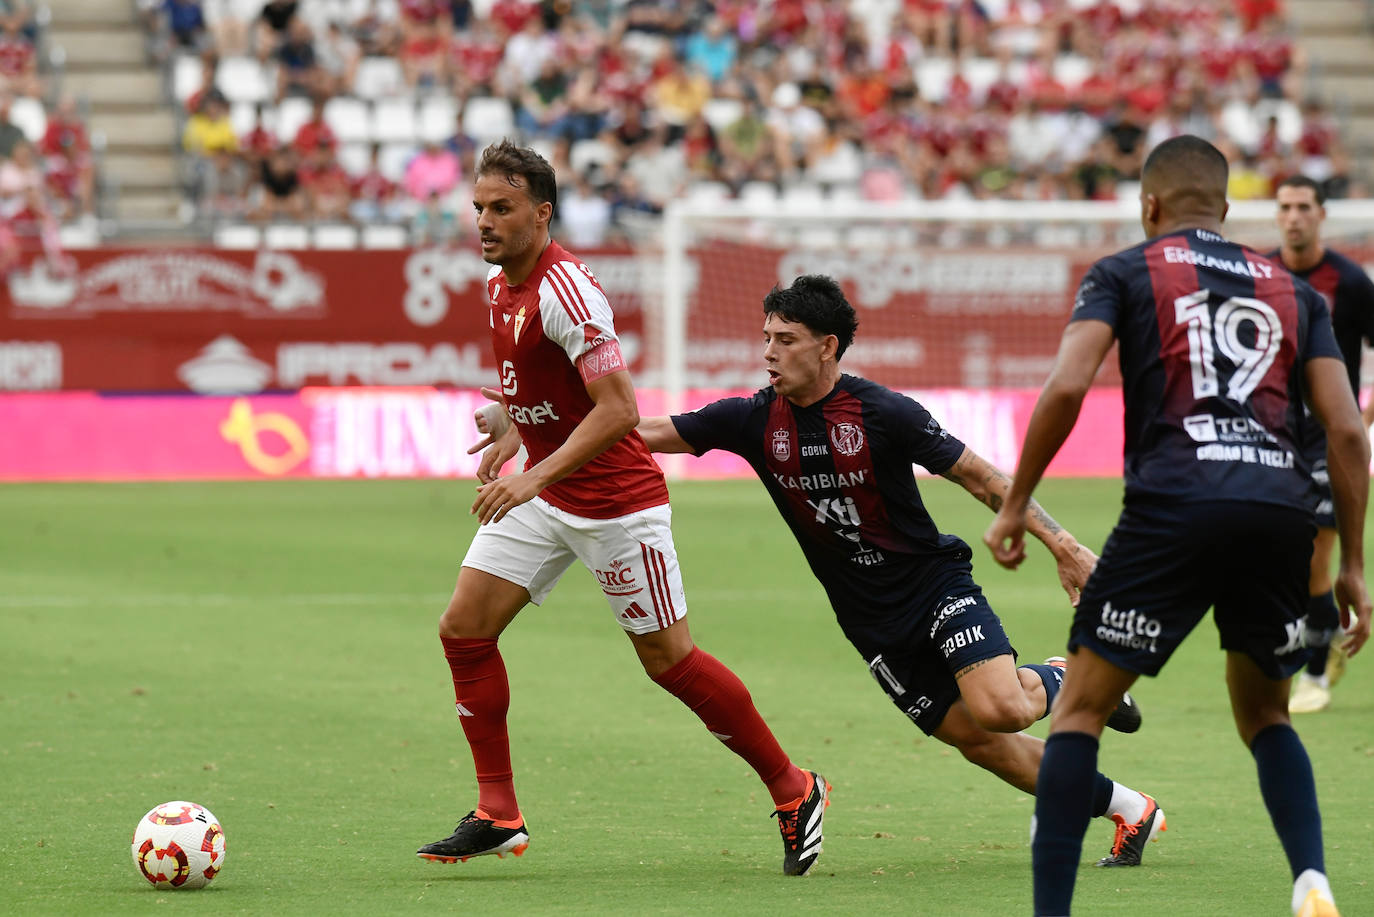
x=234 y=322
x=222 y=321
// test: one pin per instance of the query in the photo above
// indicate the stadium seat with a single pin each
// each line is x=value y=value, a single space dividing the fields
x=1071 y=70
x=378 y=78
x=590 y=154
x=393 y=121
x=289 y=116
x=721 y=113
x=242 y=79
x=762 y=193
x=437 y=117
x=932 y=77
x=334 y=236
x=392 y=159
x=980 y=72
x=238 y=236
x=286 y=235
x=384 y=235
x=81 y=234
x=348 y=119
x=28 y=115
x=354 y=157
x=488 y=118
x=802 y=197
x=243 y=116
x=708 y=192
x=186 y=77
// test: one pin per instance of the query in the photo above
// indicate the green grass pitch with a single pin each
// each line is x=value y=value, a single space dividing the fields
x=269 y=650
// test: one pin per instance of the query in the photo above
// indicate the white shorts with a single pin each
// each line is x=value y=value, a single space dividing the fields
x=632 y=557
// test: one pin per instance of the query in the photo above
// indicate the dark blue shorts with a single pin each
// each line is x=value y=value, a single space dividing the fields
x=1165 y=565
x=962 y=629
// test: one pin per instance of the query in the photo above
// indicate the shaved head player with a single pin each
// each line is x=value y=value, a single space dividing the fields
x=1219 y=348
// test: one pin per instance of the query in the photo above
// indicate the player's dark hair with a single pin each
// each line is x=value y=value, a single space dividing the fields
x=1187 y=172
x=1302 y=181
x=816 y=301
x=505 y=158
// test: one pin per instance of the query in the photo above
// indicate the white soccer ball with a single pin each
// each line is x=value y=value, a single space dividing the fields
x=178 y=845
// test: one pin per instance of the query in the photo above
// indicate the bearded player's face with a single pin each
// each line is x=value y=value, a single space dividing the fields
x=507 y=218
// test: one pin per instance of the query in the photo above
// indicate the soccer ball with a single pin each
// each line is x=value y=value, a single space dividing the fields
x=178 y=845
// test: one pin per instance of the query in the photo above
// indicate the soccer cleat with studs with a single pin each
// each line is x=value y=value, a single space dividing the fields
x=1129 y=844
x=1125 y=718
x=475 y=836
x=801 y=827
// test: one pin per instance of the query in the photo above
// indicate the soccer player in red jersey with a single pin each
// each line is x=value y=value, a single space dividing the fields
x=1350 y=295
x=590 y=491
x=1219 y=348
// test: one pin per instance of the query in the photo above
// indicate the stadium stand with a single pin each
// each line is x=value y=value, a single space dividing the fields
x=202 y=113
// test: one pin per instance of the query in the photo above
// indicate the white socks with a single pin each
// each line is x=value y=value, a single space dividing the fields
x=1309 y=880
x=1127 y=803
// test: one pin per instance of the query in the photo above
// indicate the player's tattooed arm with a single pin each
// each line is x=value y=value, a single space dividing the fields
x=989 y=484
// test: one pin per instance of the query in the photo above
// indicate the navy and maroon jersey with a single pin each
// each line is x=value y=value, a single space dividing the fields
x=840 y=473
x=1349 y=295
x=1213 y=338
x=552 y=335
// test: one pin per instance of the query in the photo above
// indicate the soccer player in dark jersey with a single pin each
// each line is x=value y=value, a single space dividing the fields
x=1219 y=346
x=835 y=453
x=589 y=492
x=1349 y=294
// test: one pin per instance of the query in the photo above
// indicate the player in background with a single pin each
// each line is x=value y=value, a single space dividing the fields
x=835 y=453
x=590 y=491
x=1349 y=295
x=1218 y=348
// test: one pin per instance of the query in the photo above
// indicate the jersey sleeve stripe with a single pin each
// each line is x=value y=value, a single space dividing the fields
x=567 y=294
x=567 y=274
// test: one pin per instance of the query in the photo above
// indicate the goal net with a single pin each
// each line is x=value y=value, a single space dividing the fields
x=950 y=294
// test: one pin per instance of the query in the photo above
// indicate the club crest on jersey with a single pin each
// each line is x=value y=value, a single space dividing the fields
x=519 y=323
x=782 y=445
x=848 y=438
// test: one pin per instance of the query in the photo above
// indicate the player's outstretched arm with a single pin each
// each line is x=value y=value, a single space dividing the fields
x=1081 y=351
x=1347 y=462
x=613 y=415
x=660 y=435
x=989 y=485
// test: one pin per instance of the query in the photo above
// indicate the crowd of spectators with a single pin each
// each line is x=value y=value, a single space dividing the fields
x=47 y=169
x=637 y=101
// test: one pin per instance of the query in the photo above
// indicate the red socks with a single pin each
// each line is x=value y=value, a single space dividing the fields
x=722 y=702
x=483 y=697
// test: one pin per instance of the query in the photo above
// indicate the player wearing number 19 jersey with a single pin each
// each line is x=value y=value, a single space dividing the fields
x=1219 y=348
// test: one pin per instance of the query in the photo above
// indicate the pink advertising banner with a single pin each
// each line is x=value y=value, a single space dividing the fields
x=410 y=433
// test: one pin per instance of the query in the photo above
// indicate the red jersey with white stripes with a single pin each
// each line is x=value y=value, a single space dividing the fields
x=552 y=335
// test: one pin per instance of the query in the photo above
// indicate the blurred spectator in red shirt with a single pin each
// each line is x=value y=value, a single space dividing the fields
x=1254 y=12
x=328 y=188
x=18 y=63
x=66 y=149
x=315 y=132
x=374 y=195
